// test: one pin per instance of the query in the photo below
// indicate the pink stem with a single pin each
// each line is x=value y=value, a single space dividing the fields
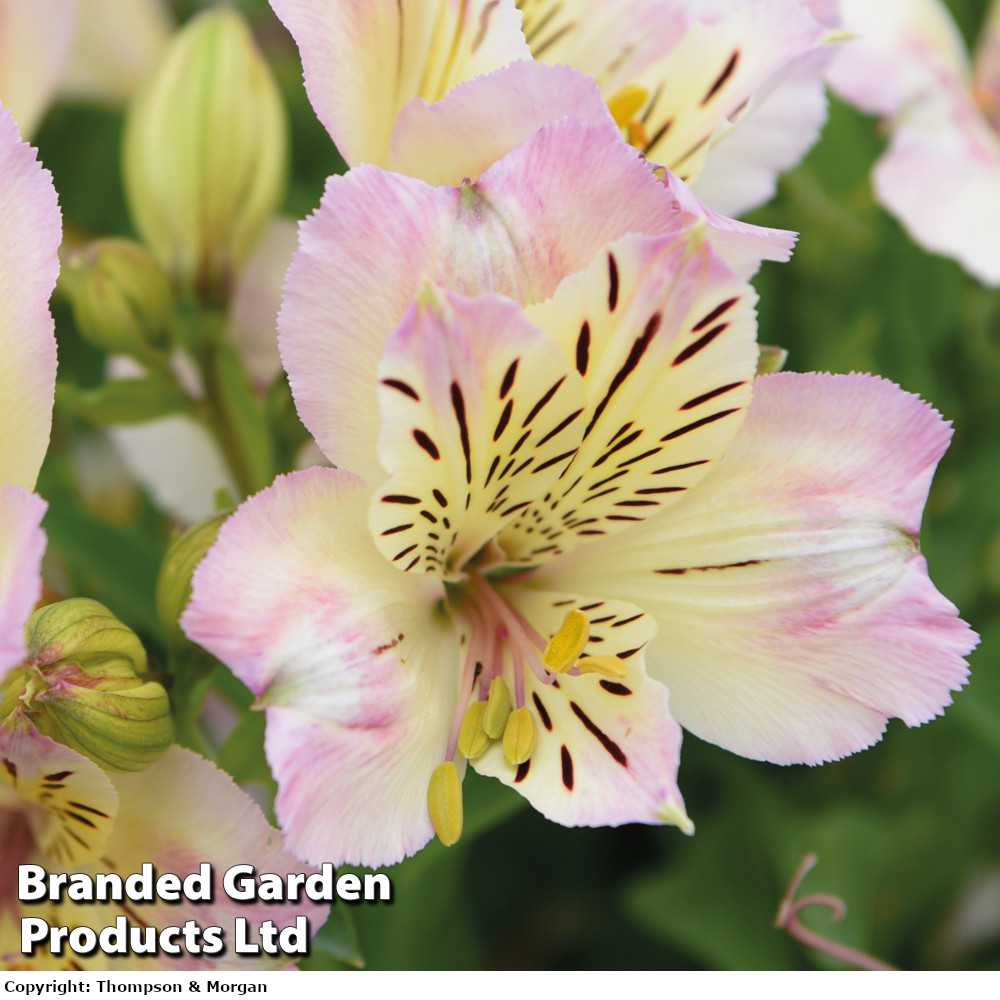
x=788 y=919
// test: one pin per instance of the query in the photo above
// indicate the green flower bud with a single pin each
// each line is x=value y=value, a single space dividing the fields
x=83 y=685
x=173 y=586
x=121 y=297
x=771 y=359
x=205 y=153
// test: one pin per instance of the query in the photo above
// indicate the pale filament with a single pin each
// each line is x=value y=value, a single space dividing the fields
x=495 y=629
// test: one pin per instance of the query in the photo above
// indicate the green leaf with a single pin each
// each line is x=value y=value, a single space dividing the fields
x=242 y=755
x=124 y=401
x=114 y=564
x=716 y=901
x=336 y=943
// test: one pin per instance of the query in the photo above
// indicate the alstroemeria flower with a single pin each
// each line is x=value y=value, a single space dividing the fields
x=727 y=95
x=910 y=66
x=60 y=810
x=553 y=504
x=678 y=75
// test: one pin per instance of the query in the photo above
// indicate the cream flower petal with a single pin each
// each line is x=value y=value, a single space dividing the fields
x=481 y=411
x=794 y=610
x=664 y=338
x=742 y=170
x=30 y=233
x=116 y=44
x=69 y=801
x=364 y=60
x=183 y=811
x=22 y=544
x=35 y=42
x=358 y=673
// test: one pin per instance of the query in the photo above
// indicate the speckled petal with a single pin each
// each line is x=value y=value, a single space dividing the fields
x=794 y=609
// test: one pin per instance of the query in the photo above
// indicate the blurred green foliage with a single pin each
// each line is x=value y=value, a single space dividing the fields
x=907 y=833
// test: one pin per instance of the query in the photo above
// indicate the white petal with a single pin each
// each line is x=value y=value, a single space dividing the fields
x=357 y=670
x=35 y=42
x=941 y=178
x=22 y=544
x=178 y=461
x=903 y=52
x=115 y=47
x=30 y=233
x=741 y=172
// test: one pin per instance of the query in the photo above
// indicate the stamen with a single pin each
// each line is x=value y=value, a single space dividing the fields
x=568 y=643
x=519 y=736
x=606 y=666
x=444 y=803
x=498 y=708
x=627 y=103
x=472 y=738
x=637 y=134
x=473 y=655
x=521 y=635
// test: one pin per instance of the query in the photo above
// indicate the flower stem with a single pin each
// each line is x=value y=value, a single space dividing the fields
x=788 y=919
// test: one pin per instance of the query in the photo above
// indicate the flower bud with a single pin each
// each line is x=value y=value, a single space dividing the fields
x=771 y=359
x=121 y=297
x=83 y=685
x=205 y=153
x=173 y=586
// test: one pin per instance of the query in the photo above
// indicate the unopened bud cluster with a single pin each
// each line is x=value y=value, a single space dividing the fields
x=84 y=684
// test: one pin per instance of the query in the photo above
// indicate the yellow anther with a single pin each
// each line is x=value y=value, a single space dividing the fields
x=568 y=643
x=606 y=666
x=519 y=736
x=472 y=738
x=637 y=135
x=444 y=802
x=497 y=709
x=627 y=103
